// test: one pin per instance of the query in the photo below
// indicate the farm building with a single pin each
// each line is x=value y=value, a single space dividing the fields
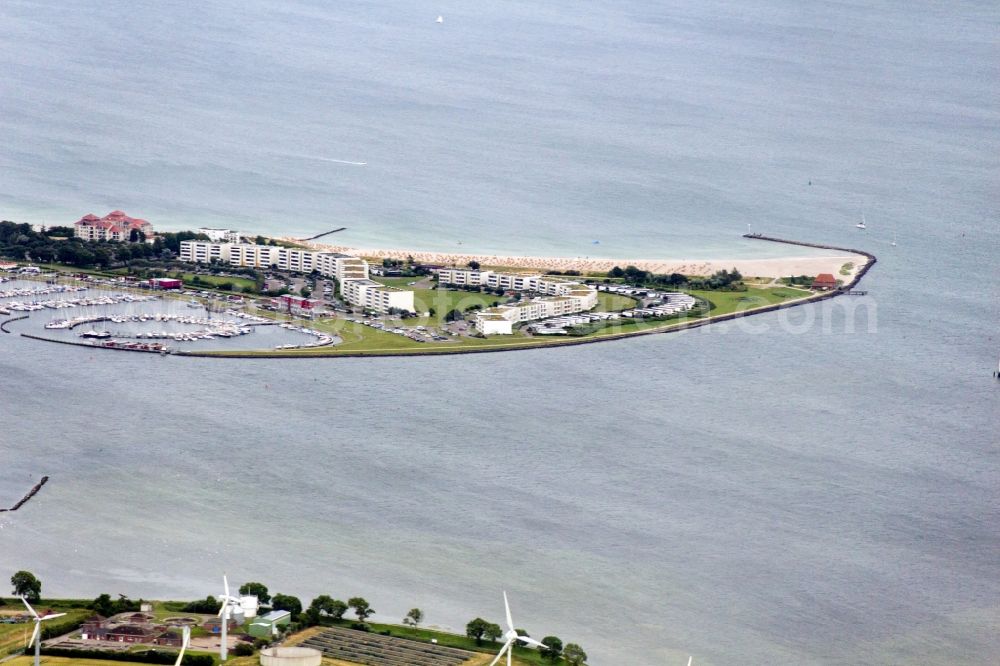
x=268 y=625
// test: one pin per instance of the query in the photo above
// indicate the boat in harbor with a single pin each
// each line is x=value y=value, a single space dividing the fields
x=95 y=334
x=862 y=225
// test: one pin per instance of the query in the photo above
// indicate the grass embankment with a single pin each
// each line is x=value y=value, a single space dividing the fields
x=14 y=637
x=64 y=661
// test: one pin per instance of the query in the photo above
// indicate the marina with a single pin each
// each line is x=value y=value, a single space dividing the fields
x=113 y=318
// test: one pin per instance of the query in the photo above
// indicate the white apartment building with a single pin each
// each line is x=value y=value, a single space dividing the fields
x=562 y=297
x=542 y=284
x=376 y=296
x=221 y=235
x=501 y=319
x=346 y=269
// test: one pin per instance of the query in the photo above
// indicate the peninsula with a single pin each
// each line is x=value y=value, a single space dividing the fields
x=331 y=301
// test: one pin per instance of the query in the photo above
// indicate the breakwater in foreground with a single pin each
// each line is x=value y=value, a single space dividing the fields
x=28 y=495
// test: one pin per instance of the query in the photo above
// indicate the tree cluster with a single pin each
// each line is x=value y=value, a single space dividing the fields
x=104 y=605
x=26 y=585
x=478 y=629
x=207 y=605
x=720 y=280
x=21 y=242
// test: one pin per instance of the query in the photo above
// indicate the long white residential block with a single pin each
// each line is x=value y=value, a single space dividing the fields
x=350 y=272
x=561 y=297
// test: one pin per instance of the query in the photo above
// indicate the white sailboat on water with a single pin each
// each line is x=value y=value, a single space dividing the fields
x=861 y=225
x=439 y=19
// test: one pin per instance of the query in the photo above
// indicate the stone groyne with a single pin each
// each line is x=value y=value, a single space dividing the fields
x=31 y=493
x=872 y=259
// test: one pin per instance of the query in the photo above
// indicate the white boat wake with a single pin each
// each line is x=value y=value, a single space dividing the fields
x=330 y=159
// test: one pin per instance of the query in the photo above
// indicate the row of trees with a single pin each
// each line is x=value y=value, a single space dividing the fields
x=480 y=629
x=326 y=607
x=720 y=280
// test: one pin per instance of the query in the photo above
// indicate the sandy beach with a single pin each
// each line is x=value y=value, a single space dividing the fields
x=781 y=267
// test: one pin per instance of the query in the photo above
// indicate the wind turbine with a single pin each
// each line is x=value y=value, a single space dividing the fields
x=186 y=638
x=36 y=635
x=227 y=602
x=512 y=637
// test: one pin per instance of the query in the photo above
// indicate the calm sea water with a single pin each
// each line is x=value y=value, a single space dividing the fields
x=815 y=487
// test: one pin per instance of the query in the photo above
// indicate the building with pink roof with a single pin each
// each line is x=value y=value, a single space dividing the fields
x=115 y=226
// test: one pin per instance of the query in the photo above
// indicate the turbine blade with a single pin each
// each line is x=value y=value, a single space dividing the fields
x=506 y=606
x=52 y=615
x=225 y=583
x=689 y=660
x=506 y=646
x=531 y=641
x=30 y=609
x=186 y=638
x=34 y=634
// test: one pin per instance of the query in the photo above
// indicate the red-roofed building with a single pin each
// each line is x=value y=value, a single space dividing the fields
x=824 y=282
x=289 y=301
x=115 y=226
x=166 y=283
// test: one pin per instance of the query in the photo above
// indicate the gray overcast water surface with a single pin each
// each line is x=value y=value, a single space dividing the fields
x=810 y=487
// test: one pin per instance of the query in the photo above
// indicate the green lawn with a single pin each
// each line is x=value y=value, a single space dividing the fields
x=607 y=302
x=215 y=280
x=725 y=302
x=444 y=300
